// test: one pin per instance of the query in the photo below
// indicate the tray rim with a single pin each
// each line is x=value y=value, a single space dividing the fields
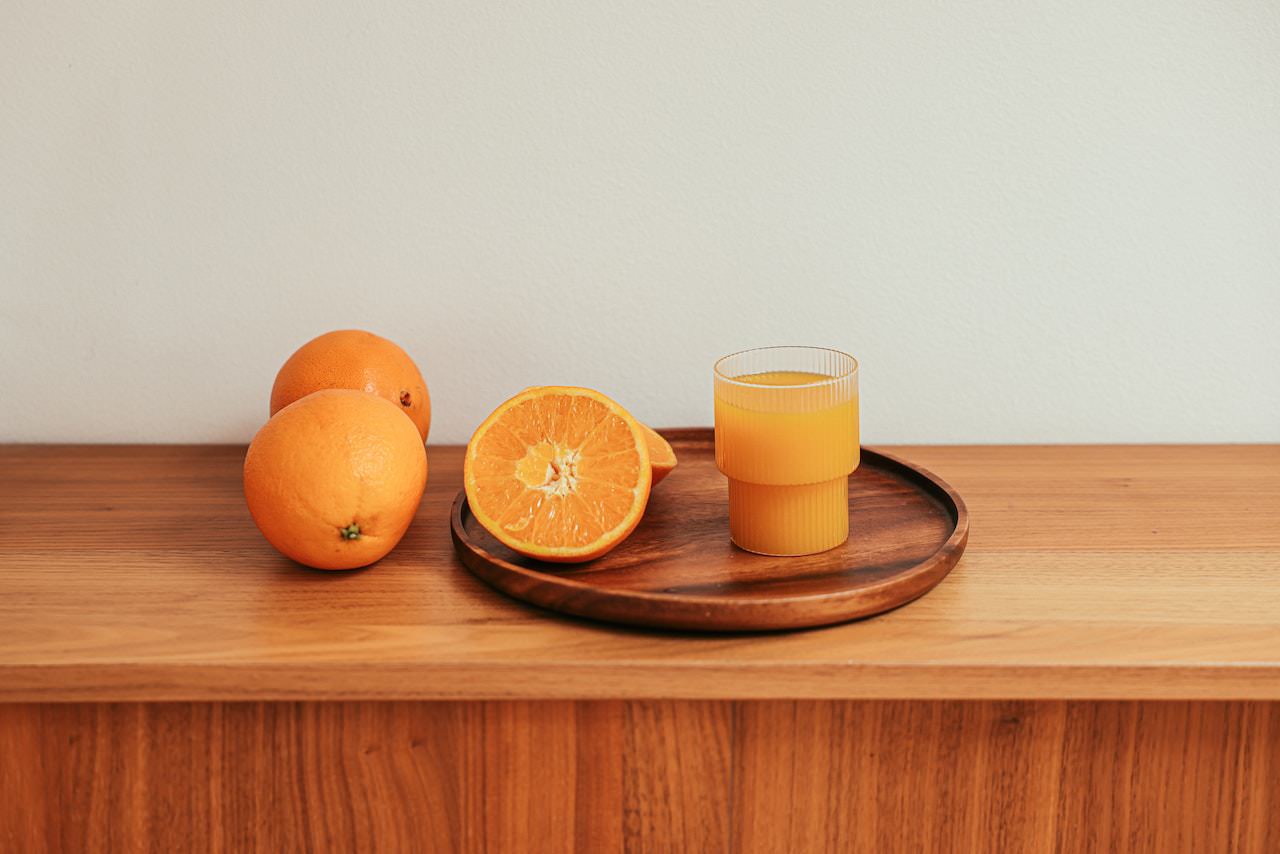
x=938 y=564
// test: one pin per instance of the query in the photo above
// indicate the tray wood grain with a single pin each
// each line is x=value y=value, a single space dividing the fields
x=679 y=570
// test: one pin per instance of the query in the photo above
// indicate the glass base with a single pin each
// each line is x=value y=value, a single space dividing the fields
x=789 y=520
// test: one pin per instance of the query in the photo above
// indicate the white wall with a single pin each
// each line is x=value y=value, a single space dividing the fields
x=1031 y=221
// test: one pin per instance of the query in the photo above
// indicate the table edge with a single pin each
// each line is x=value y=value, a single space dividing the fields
x=357 y=681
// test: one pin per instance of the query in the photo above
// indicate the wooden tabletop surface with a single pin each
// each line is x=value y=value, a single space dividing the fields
x=135 y=573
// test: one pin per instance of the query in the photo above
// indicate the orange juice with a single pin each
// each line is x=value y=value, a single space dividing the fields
x=788 y=441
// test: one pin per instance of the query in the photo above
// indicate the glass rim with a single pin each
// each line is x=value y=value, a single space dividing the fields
x=721 y=375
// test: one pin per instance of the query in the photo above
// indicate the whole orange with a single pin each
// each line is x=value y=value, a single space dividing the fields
x=333 y=480
x=352 y=358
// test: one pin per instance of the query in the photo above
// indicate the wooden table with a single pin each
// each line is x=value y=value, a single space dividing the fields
x=1100 y=672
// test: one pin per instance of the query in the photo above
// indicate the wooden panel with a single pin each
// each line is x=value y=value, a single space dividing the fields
x=641 y=776
x=1011 y=776
x=1172 y=777
x=676 y=777
x=1091 y=572
x=601 y=744
x=848 y=776
x=305 y=777
x=527 y=780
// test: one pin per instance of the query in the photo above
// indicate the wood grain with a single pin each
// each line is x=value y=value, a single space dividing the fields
x=676 y=773
x=135 y=573
x=641 y=776
x=678 y=569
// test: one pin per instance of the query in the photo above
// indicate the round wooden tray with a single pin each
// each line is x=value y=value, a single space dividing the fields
x=678 y=569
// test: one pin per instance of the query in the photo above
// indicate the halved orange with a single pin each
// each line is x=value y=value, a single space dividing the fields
x=558 y=473
x=661 y=458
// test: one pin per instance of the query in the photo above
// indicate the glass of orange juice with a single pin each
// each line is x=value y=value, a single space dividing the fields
x=787 y=439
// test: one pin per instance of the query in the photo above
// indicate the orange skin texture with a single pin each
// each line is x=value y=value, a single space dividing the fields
x=661 y=458
x=354 y=359
x=330 y=460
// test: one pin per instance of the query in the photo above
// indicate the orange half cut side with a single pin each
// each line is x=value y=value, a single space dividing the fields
x=558 y=473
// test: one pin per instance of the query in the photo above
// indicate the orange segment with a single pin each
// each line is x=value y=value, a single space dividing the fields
x=558 y=473
x=661 y=458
